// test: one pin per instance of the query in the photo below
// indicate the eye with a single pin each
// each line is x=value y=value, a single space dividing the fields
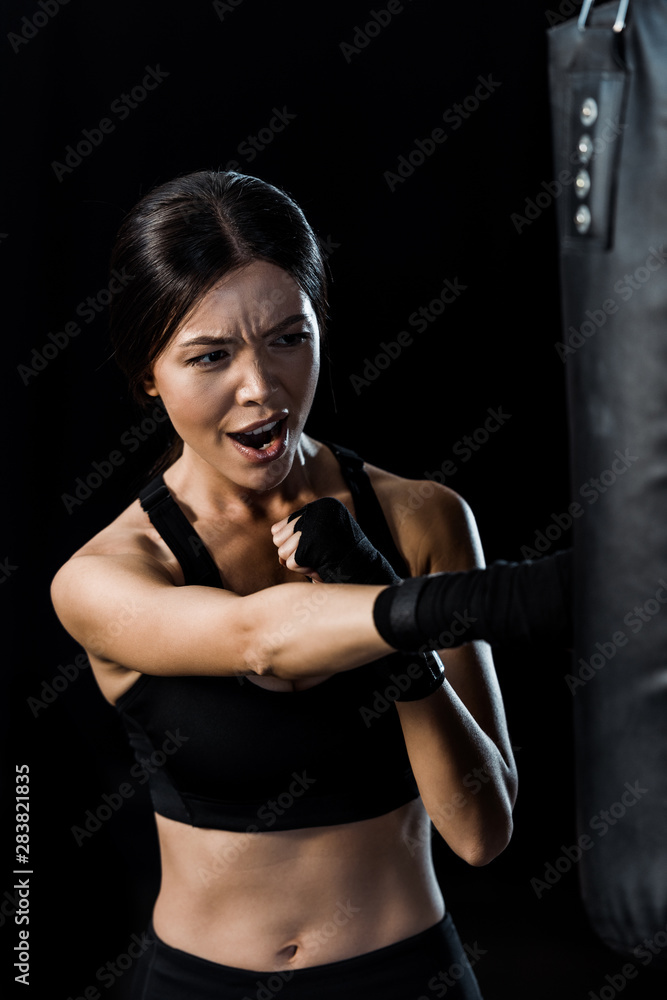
x=292 y=339
x=206 y=360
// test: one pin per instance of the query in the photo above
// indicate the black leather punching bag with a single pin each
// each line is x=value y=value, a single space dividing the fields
x=608 y=87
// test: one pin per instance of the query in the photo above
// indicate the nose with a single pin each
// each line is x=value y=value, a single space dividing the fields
x=256 y=382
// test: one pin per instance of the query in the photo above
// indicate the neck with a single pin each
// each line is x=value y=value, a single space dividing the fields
x=209 y=492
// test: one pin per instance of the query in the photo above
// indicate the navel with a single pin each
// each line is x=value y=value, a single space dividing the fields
x=287 y=953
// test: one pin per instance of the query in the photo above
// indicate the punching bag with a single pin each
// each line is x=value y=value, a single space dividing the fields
x=608 y=93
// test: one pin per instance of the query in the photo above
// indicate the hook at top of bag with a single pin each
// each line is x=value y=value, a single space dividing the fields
x=619 y=23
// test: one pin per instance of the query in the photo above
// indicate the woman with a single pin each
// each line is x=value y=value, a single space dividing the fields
x=294 y=819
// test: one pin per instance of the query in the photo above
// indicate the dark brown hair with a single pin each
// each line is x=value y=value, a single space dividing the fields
x=180 y=240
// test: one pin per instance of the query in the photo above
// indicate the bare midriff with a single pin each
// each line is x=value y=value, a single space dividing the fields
x=291 y=899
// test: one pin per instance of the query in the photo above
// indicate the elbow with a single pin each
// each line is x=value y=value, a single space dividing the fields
x=259 y=654
x=484 y=854
x=512 y=787
x=253 y=653
x=491 y=830
x=264 y=648
x=255 y=657
x=255 y=650
x=488 y=844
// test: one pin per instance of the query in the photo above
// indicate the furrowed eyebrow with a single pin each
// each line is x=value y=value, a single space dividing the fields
x=208 y=340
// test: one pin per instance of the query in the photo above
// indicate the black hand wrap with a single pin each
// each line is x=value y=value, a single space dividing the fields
x=333 y=544
x=528 y=602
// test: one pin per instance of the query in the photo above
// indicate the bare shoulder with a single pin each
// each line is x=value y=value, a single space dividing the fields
x=433 y=526
x=84 y=587
x=129 y=534
x=129 y=541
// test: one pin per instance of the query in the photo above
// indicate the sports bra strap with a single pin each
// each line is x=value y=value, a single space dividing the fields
x=197 y=563
x=367 y=507
x=170 y=521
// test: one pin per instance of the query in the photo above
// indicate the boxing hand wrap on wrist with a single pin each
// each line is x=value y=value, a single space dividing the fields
x=508 y=602
x=395 y=613
x=413 y=676
x=333 y=544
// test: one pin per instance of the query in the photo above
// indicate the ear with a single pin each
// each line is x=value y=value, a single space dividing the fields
x=149 y=386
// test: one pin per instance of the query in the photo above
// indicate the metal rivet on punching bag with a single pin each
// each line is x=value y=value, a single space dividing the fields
x=582 y=183
x=585 y=148
x=582 y=219
x=589 y=111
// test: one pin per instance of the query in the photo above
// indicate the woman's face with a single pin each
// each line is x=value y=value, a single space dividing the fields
x=239 y=376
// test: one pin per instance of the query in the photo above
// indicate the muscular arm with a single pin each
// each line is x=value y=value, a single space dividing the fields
x=125 y=609
x=467 y=781
x=457 y=737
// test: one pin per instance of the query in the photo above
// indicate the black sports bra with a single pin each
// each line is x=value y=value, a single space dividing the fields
x=224 y=753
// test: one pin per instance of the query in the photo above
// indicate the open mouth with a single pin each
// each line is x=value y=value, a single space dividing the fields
x=262 y=437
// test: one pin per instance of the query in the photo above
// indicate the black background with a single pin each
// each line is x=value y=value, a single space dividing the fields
x=493 y=348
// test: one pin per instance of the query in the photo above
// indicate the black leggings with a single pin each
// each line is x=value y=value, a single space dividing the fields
x=426 y=966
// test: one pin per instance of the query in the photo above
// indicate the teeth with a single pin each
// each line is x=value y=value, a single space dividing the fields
x=264 y=428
